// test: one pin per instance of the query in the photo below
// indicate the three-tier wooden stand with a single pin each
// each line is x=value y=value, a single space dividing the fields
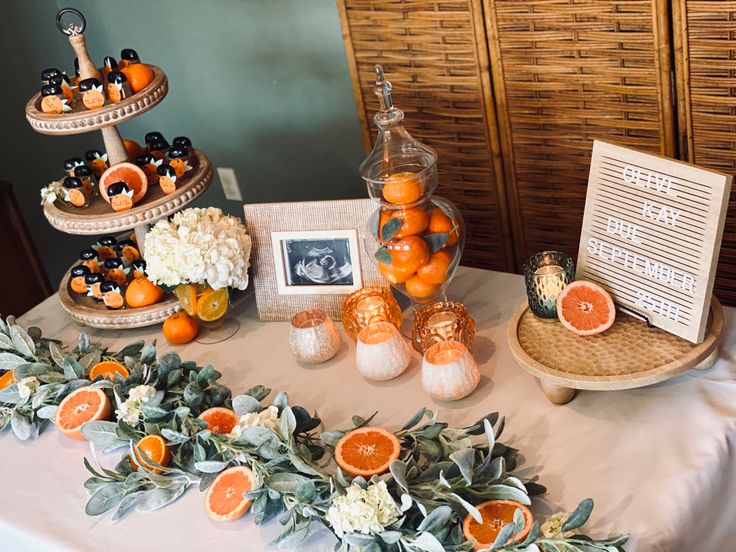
x=99 y=218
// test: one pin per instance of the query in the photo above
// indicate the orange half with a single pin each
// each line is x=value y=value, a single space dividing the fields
x=220 y=420
x=156 y=449
x=86 y=404
x=495 y=514
x=367 y=451
x=108 y=369
x=225 y=500
x=126 y=172
x=585 y=308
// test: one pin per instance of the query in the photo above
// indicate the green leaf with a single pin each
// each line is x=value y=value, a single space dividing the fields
x=331 y=437
x=83 y=343
x=161 y=496
x=509 y=493
x=72 y=369
x=579 y=516
x=169 y=361
x=57 y=354
x=258 y=392
x=210 y=466
x=174 y=437
x=436 y=520
x=22 y=426
x=389 y=229
x=436 y=241
x=428 y=542
x=489 y=435
x=285 y=482
x=303 y=466
x=504 y=535
x=382 y=255
x=100 y=432
x=305 y=492
x=149 y=354
x=390 y=537
x=373 y=222
x=472 y=510
x=10 y=395
x=245 y=404
x=127 y=503
x=105 y=499
x=47 y=412
x=6 y=343
x=287 y=422
x=398 y=471
x=255 y=436
x=22 y=341
x=28 y=369
x=464 y=459
x=415 y=419
x=8 y=361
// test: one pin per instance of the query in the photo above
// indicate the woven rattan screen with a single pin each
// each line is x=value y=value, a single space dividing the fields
x=566 y=72
x=705 y=40
x=434 y=53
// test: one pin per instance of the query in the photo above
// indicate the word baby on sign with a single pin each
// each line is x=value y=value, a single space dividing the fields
x=651 y=235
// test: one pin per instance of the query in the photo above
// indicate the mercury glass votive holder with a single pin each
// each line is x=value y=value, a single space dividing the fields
x=313 y=336
x=442 y=321
x=449 y=371
x=368 y=305
x=381 y=353
x=546 y=274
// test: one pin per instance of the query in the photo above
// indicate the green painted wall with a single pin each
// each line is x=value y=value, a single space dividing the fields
x=261 y=86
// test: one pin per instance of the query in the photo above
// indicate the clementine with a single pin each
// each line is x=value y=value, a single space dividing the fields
x=393 y=274
x=133 y=148
x=419 y=289
x=7 y=379
x=408 y=254
x=180 y=328
x=435 y=271
x=413 y=221
x=402 y=188
x=440 y=223
x=139 y=76
x=142 y=292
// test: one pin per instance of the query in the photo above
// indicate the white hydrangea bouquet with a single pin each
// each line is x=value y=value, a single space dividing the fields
x=199 y=246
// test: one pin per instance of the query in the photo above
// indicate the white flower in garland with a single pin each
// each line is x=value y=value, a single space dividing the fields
x=27 y=386
x=367 y=511
x=267 y=418
x=198 y=246
x=130 y=410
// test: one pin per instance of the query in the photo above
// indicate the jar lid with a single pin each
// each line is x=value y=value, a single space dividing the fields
x=178 y=151
x=145 y=159
x=82 y=170
x=49 y=73
x=107 y=240
x=109 y=285
x=72 y=182
x=87 y=254
x=93 y=278
x=51 y=90
x=166 y=170
x=92 y=154
x=154 y=136
x=88 y=84
x=159 y=145
x=72 y=162
x=117 y=188
x=79 y=270
x=110 y=62
x=128 y=54
x=113 y=263
x=182 y=141
x=117 y=77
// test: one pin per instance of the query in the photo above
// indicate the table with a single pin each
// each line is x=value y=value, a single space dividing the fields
x=657 y=461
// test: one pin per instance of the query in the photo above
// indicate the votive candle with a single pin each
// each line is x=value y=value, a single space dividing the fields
x=546 y=274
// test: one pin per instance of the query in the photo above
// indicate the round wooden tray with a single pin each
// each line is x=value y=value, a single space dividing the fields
x=630 y=354
x=87 y=312
x=99 y=218
x=80 y=119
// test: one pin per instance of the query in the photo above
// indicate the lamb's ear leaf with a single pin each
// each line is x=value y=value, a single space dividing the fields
x=389 y=229
x=383 y=256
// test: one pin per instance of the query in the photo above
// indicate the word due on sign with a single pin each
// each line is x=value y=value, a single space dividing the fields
x=651 y=236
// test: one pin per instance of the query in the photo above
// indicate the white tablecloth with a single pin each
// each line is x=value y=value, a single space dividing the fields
x=658 y=461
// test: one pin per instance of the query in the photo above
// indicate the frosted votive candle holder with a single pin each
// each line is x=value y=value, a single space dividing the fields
x=449 y=371
x=546 y=274
x=381 y=353
x=367 y=305
x=313 y=336
x=442 y=321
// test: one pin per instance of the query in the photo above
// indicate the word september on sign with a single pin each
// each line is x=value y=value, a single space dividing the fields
x=651 y=236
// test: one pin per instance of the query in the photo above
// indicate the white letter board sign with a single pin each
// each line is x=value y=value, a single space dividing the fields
x=651 y=236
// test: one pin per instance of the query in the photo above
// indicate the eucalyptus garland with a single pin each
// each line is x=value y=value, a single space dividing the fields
x=441 y=475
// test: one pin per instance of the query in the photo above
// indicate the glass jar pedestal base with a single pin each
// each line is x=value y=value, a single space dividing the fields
x=217 y=331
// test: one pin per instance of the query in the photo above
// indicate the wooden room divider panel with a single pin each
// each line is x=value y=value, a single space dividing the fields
x=705 y=48
x=566 y=72
x=435 y=54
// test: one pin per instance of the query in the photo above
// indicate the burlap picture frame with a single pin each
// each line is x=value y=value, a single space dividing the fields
x=298 y=219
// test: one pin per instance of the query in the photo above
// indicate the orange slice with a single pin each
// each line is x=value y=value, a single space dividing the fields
x=187 y=296
x=108 y=369
x=213 y=306
x=7 y=379
x=224 y=500
x=495 y=514
x=585 y=308
x=367 y=451
x=220 y=420
x=126 y=172
x=156 y=449
x=86 y=404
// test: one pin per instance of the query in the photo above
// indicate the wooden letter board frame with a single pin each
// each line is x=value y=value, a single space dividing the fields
x=651 y=236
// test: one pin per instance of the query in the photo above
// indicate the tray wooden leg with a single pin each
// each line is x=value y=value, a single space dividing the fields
x=556 y=393
x=708 y=361
x=140 y=235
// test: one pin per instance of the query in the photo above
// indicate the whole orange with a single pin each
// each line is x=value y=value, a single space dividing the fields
x=418 y=288
x=402 y=188
x=139 y=76
x=435 y=271
x=180 y=328
x=133 y=148
x=408 y=254
x=394 y=275
x=142 y=292
x=440 y=223
x=413 y=221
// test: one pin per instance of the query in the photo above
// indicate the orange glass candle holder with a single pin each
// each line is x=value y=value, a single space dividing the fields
x=368 y=305
x=442 y=321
